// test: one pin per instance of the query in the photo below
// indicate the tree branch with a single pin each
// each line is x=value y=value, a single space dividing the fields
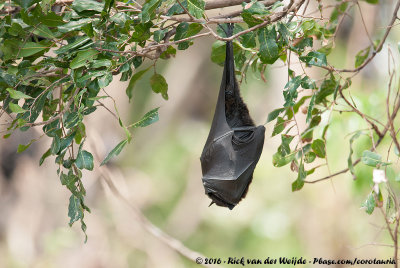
x=168 y=240
x=386 y=129
x=58 y=116
x=376 y=51
x=228 y=3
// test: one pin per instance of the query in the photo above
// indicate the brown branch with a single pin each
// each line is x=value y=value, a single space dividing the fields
x=334 y=174
x=144 y=52
x=395 y=240
x=168 y=240
x=58 y=116
x=268 y=20
x=186 y=11
x=385 y=130
x=213 y=20
x=376 y=51
x=392 y=235
x=236 y=13
x=228 y=3
x=376 y=129
x=390 y=121
x=224 y=18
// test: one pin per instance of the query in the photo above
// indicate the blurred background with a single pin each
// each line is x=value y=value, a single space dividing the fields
x=159 y=173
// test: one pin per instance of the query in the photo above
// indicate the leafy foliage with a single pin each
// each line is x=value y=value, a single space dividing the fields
x=55 y=64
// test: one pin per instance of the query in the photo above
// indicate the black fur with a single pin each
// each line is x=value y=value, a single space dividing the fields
x=236 y=112
x=244 y=145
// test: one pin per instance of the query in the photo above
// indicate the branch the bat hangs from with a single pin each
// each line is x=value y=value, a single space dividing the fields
x=234 y=144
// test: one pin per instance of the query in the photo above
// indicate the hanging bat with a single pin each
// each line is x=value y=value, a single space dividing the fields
x=234 y=144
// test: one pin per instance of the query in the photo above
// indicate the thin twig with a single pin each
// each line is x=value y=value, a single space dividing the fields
x=376 y=51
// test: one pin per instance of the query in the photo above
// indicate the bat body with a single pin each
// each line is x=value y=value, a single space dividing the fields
x=234 y=144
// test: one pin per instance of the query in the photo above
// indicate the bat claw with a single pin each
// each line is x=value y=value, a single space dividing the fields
x=212 y=202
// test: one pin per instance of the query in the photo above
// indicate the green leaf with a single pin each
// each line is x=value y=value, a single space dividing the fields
x=22 y=147
x=396 y=151
x=79 y=41
x=310 y=108
x=193 y=29
x=132 y=82
x=299 y=182
x=361 y=56
x=318 y=146
x=83 y=57
x=279 y=161
x=181 y=31
x=16 y=29
x=290 y=94
x=80 y=133
x=308 y=83
x=196 y=8
x=309 y=157
x=74 y=25
x=148 y=10
x=327 y=88
x=250 y=19
x=69 y=180
x=15 y=108
x=16 y=95
x=159 y=35
x=248 y=40
x=51 y=19
x=159 y=85
x=31 y=48
x=176 y=8
x=255 y=8
x=148 y=119
x=71 y=120
x=369 y=204
x=274 y=114
x=279 y=126
x=374 y=2
x=44 y=31
x=349 y=159
x=120 y=18
x=114 y=152
x=44 y=156
x=26 y=3
x=372 y=159
x=55 y=145
x=269 y=51
x=218 y=51
x=390 y=209
x=284 y=148
x=284 y=32
x=168 y=52
x=305 y=42
x=75 y=209
x=108 y=5
x=85 y=5
x=314 y=58
x=84 y=160
x=101 y=63
x=142 y=32
x=66 y=141
x=105 y=80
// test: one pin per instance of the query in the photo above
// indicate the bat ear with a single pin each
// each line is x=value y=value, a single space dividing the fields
x=212 y=202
